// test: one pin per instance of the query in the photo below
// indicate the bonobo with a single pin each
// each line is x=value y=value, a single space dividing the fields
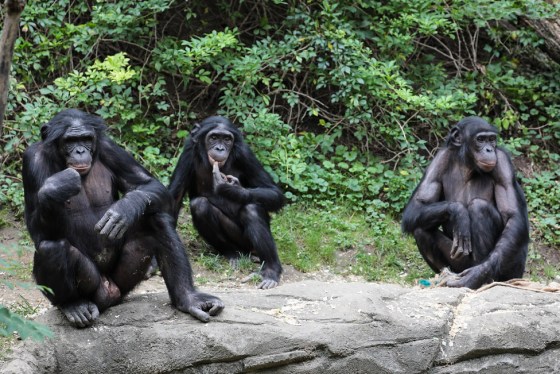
x=469 y=213
x=231 y=195
x=97 y=217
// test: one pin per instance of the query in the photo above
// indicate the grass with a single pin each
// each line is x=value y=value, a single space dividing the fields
x=311 y=238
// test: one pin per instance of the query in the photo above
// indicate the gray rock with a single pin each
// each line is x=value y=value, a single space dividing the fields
x=312 y=327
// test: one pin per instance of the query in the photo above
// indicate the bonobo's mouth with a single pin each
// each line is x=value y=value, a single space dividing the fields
x=220 y=160
x=80 y=168
x=486 y=166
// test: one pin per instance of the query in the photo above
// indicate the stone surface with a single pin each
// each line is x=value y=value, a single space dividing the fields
x=312 y=327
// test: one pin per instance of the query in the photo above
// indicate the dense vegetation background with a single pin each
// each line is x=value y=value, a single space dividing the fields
x=344 y=102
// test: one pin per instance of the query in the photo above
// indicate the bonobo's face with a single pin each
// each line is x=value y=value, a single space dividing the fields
x=483 y=147
x=219 y=143
x=77 y=147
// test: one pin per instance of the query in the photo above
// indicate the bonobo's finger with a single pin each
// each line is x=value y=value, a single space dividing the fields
x=467 y=247
x=232 y=180
x=101 y=223
x=199 y=314
x=109 y=224
x=217 y=307
x=454 y=248
x=117 y=230
x=454 y=283
x=267 y=284
x=463 y=279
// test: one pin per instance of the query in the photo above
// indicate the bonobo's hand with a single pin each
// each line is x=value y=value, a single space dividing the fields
x=61 y=186
x=461 y=232
x=230 y=179
x=220 y=178
x=472 y=278
x=202 y=305
x=217 y=176
x=122 y=214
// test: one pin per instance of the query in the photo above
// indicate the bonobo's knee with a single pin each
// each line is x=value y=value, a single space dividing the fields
x=481 y=211
x=252 y=213
x=48 y=247
x=420 y=234
x=200 y=206
x=479 y=206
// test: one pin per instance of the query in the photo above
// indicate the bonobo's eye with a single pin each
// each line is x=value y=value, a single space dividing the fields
x=71 y=143
x=492 y=138
x=213 y=137
x=480 y=138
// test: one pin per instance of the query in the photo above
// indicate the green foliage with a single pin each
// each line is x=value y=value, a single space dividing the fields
x=14 y=321
x=543 y=197
x=11 y=322
x=344 y=102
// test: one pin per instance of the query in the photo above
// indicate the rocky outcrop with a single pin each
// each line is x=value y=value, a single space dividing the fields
x=313 y=327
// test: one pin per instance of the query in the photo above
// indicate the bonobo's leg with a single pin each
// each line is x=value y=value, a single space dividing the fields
x=72 y=277
x=135 y=259
x=486 y=228
x=432 y=245
x=255 y=222
x=161 y=238
x=216 y=228
x=435 y=248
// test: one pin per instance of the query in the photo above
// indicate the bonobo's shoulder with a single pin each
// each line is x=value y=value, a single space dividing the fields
x=504 y=158
x=442 y=157
x=504 y=170
x=33 y=153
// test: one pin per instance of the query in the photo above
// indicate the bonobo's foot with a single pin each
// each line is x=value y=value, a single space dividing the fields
x=266 y=282
x=80 y=313
x=152 y=269
x=107 y=294
x=202 y=305
x=472 y=278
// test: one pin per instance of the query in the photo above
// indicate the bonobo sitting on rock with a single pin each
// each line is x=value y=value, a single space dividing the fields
x=231 y=195
x=469 y=213
x=97 y=217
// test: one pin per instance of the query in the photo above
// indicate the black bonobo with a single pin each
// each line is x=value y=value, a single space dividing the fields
x=469 y=213
x=231 y=195
x=97 y=217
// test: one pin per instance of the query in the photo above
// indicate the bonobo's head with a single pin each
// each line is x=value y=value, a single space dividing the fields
x=74 y=134
x=219 y=137
x=475 y=140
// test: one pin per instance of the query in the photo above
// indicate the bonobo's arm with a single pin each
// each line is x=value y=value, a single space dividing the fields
x=46 y=189
x=255 y=185
x=426 y=209
x=514 y=239
x=182 y=177
x=142 y=193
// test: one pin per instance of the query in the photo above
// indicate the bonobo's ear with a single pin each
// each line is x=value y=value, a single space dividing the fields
x=195 y=129
x=44 y=131
x=455 y=136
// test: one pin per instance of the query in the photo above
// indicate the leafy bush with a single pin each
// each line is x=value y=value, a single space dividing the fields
x=342 y=101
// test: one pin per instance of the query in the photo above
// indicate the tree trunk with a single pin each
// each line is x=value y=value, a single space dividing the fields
x=10 y=33
x=549 y=30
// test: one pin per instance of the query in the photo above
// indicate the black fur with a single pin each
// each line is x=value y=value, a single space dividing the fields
x=233 y=217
